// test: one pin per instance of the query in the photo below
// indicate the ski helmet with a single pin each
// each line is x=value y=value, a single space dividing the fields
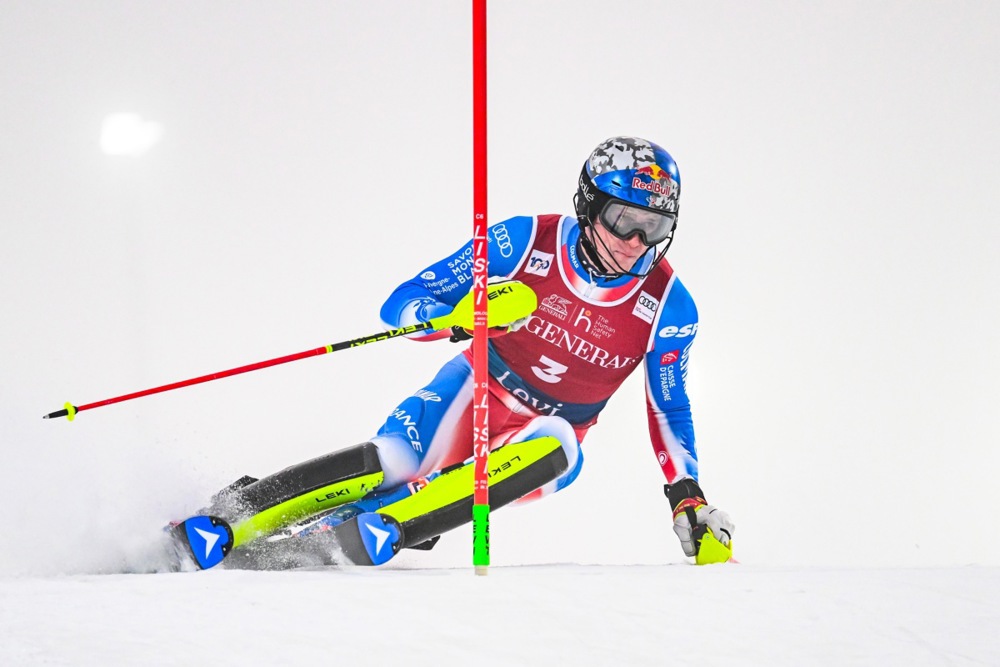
x=631 y=187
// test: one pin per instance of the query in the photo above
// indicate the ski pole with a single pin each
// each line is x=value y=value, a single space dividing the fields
x=509 y=301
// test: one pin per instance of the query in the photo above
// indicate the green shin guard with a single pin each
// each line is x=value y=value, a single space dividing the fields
x=269 y=504
x=515 y=470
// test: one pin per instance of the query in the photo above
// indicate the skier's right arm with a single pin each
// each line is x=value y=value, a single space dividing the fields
x=435 y=290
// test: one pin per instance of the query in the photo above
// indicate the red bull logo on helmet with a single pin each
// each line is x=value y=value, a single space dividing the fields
x=653 y=171
x=660 y=181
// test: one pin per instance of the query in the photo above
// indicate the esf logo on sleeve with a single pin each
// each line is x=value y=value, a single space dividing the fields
x=678 y=332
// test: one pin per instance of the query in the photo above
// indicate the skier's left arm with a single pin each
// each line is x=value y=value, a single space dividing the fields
x=671 y=427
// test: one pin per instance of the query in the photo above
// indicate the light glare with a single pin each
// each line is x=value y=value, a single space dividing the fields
x=128 y=134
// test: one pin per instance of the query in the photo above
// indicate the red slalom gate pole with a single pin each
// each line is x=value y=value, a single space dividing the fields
x=480 y=350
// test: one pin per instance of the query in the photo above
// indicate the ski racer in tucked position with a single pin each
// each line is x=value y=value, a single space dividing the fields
x=608 y=303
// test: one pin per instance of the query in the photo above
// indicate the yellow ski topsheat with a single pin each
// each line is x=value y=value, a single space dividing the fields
x=290 y=511
x=457 y=484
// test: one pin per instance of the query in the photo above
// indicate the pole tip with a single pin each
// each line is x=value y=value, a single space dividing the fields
x=69 y=412
x=482 y=570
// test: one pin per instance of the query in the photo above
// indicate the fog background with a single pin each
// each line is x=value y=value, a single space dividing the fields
x=838 y=232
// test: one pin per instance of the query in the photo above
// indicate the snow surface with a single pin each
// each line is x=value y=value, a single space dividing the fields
x=561 y=614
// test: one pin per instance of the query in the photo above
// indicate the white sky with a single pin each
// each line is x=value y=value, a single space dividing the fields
x=838 y=231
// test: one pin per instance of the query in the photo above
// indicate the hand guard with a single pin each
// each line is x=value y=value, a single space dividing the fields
x=459 y=334
x=692 y=515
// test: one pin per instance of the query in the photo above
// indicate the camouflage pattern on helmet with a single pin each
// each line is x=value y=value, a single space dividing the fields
x=618 y=153
x=637 y=171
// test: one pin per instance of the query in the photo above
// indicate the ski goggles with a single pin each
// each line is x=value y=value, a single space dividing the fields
x=624 y=221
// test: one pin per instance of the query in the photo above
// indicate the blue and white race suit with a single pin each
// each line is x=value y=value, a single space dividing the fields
x=555 y=374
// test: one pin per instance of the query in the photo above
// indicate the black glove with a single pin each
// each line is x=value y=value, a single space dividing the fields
x=458 y=335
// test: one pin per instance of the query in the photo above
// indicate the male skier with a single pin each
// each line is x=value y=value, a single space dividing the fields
x=608 y=303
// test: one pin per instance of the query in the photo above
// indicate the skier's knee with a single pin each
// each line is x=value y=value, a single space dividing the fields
x=558 y=428
x=400 y=463
x=563 y=431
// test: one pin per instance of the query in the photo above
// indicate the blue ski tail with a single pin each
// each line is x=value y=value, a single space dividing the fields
x=207 y=540
x=370 y=538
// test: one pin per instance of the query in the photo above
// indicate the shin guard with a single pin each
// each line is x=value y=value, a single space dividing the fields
x=301 y=490
x=446 y=502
